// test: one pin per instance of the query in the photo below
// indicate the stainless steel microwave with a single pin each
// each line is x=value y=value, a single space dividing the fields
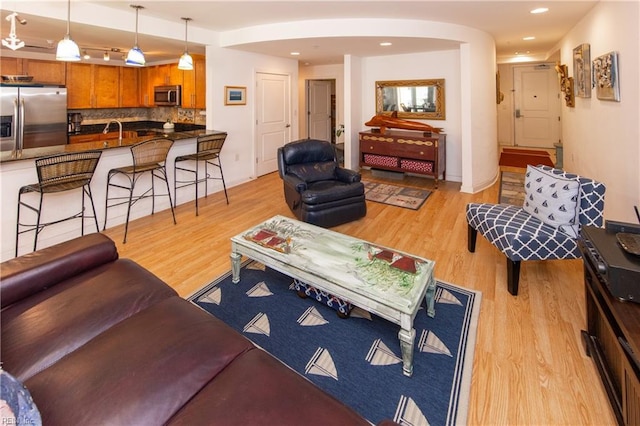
x=167 y=95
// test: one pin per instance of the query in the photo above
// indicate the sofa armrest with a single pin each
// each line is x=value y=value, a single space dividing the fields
x=347 y=175
x=28 y=274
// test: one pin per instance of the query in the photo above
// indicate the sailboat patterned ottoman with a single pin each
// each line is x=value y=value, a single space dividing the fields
x=342 y=307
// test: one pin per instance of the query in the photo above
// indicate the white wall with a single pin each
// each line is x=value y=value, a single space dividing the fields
x=602 y=138
x=228 y=67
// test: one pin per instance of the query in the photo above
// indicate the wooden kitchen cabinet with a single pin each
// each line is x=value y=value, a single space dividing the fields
x=194 y=87
x=404 y=151
x=85 y=138
x=44 y=72
x=129 y=84
x=79 y=86
x=101 y=86
x=10 y=66
x=145 y=87
x=106 y=86
x=167 y=75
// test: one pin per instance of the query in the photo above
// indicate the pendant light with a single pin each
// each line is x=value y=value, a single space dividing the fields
x=135 y=57
x=67 y=49
x=186 y=61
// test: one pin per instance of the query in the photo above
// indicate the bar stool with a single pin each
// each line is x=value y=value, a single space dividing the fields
x=148 y=157
x=208 y=151
x=58 y=173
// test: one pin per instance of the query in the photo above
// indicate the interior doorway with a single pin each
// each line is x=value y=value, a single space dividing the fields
x=537 y=106
x=273 y=119
x=321 y=109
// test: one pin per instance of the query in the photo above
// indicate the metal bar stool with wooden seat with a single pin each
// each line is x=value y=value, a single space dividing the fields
x=148 y=157
x=58 y=173
x=208 y=151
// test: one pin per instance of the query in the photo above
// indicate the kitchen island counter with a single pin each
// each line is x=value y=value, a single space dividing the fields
x=16 y=172
x=33 y=153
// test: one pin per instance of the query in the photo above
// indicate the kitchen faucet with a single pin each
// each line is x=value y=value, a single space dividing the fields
x=106 y=129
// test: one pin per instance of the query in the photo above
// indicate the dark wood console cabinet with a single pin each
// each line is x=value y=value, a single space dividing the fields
x=612 y=337
x=404 y=151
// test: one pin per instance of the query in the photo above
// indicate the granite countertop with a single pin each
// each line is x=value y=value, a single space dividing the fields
x=34 y=153
x=92 y=129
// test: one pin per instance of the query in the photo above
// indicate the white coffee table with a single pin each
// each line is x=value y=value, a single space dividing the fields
x=380 y=280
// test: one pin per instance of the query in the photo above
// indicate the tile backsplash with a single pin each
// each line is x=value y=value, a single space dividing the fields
x=176 y=115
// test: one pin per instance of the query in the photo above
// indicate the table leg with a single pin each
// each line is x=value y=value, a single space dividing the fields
x=235 y=267
x=429 y=298
x=407 y=338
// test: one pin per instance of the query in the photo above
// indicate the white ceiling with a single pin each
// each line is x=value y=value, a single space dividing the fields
x=507 y=21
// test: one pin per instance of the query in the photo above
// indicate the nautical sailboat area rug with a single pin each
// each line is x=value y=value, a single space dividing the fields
x=357 y=359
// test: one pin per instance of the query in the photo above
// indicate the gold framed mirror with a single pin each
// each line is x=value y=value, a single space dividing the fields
x=421 y=99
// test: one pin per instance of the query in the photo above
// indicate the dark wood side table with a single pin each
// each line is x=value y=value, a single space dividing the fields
x=612 y=337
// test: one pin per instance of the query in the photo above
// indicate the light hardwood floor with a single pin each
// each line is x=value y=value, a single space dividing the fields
x=529 y=367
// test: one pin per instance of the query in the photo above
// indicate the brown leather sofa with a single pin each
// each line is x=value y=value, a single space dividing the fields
x=101 y=340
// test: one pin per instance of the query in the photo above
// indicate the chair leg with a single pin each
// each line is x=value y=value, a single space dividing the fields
x=206 y=190
x=164 y=177
x=126 y=224
x=35 y=238
x=18 y=221
x=93 y=207
x=472 y=236
x=513 y=276
x=222 y=177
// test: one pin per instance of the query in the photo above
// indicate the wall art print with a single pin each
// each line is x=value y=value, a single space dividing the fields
x=605 y=77
x=582 y=70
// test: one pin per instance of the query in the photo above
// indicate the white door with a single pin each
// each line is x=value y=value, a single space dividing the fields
x=319 y=110
x=537 y=106
x=273 y=119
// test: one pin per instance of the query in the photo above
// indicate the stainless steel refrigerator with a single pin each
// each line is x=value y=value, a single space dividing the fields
x=32 y=116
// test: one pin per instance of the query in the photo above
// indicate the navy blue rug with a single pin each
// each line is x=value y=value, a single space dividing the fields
x=358 y=360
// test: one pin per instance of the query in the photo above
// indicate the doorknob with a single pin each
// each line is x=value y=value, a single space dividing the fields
x=287 y=126
x=518 y=115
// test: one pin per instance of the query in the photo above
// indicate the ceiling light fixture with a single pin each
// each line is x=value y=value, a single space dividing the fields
x=295 y=53
x=540 y=10
x=135 y=57
x=85 y=54
x=385 y=43
x=67 y=49
x=106 y=56
x=529 y=38
x=186 y=61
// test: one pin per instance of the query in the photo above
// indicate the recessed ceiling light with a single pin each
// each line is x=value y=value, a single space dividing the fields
x=528 y=38
x=295 y=53
x=540 y=10
x=385 y=43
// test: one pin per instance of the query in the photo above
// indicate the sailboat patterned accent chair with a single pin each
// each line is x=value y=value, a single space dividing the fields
x=557 y=205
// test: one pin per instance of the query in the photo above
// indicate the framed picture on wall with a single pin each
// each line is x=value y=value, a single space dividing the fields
x=582 y=70
x=235 y=95
x=605 y=77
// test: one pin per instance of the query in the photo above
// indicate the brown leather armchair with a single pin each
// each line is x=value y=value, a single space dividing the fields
x=316 y=188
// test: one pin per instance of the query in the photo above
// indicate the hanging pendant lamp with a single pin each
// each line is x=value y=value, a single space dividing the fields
x=135 y=57
x=67 y=49
x=186 y=61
